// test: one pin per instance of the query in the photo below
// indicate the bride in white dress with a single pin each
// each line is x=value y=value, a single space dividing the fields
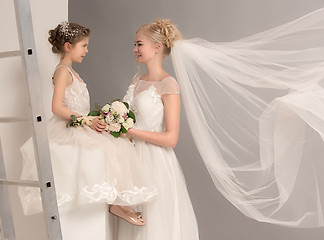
x=254 y=107
x=88 y=167
x=155 y=99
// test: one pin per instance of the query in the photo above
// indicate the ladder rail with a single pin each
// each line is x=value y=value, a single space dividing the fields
x=42 y=153
x=7 y=230
x=43 y=161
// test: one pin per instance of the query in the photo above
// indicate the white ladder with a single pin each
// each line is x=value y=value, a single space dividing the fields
x=43 y=161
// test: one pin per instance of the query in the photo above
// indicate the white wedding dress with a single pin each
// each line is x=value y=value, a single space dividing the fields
x=171 y=216
x=89 y=168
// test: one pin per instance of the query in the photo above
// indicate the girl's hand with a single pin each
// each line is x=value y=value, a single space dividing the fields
x=98 y=125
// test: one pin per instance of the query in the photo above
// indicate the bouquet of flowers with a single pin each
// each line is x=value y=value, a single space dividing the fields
x=116 y=115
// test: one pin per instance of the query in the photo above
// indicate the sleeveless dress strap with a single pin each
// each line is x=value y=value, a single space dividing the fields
x=70 y=71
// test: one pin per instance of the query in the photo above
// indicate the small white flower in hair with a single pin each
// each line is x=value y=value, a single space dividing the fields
x=64 y=28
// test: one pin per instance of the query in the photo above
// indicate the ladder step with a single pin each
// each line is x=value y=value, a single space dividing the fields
x=13 y=119
x=24 y=183
x=10 y=54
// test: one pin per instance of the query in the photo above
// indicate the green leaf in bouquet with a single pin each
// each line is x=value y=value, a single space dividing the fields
x=126 y=104
x=131 y=115
x=74 y=122
x=123 y=129
x=94 y=113
x=115 y=134
x=73 y=117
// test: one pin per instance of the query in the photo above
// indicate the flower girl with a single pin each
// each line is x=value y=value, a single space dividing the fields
x=88 y=167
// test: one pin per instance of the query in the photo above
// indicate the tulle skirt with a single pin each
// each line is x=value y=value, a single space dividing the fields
x=88 y=168
x=171 y=215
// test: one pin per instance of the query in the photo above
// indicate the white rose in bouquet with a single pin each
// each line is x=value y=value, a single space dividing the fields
x=114 y=127
x=119 y=107
x=129 y=123
x=120 y=119
x=106 y=108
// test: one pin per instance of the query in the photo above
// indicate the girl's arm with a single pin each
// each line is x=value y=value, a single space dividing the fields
x=62 y=78
x=97 y=125
x=169 y=138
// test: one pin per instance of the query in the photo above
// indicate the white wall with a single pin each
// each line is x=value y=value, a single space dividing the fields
x=46 y=14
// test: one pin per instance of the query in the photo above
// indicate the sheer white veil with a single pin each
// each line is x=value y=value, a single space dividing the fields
x=255 y=108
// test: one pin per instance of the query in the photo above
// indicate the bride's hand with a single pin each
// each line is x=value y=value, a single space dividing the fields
x=98 y=125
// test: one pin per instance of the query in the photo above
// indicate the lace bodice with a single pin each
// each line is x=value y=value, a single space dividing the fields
x=76 y=97
x=144 y=98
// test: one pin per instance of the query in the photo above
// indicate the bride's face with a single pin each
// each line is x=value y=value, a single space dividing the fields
x=145 y=50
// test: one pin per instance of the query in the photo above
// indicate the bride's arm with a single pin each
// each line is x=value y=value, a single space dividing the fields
x=168 y=138
x=62 y=79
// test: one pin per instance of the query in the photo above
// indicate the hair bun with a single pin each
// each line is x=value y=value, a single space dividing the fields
x=170 y=32
x=55 y=40
x=161 y=31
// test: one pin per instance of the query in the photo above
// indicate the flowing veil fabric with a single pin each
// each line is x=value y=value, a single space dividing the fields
x=255 y=108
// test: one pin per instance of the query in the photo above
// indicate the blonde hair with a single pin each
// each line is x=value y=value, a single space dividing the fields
x=161 y=31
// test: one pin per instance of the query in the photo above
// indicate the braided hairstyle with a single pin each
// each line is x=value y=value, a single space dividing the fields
x=161 y=31
x=66 y=32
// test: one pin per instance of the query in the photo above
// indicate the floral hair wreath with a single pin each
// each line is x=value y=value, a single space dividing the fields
x=68 y=34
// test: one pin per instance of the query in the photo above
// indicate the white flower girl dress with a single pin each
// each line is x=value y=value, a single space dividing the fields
x=88 y=167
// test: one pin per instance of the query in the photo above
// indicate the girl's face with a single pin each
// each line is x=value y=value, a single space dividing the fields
x=79 y=50
x=144 y=50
